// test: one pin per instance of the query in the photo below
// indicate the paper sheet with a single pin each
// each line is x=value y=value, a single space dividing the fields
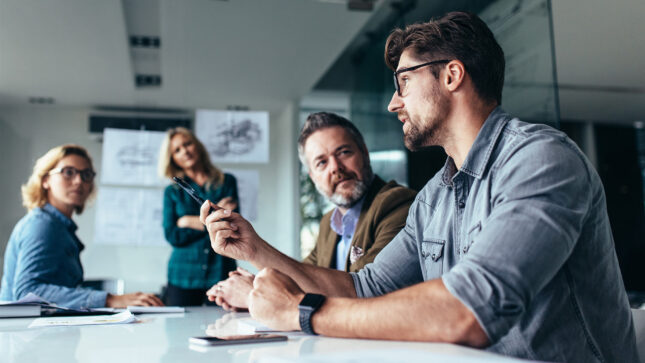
x=125 y=317
x=234 y=136
x=129 y=216
x=155 y=309
x=130 y=157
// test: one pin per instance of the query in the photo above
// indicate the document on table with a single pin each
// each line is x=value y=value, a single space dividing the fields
x=125 y=317
x=156 y=309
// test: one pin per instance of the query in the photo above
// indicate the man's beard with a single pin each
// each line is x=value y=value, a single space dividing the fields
x=357 y=193
x=360 y=188
x=432 y=131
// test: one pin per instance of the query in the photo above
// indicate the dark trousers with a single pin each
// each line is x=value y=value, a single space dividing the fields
x=177 y=296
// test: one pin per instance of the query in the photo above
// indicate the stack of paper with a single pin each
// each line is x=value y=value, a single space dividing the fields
x=15 y=310
x=34 y=305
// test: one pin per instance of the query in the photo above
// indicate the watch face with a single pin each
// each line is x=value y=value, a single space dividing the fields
x=312 y=300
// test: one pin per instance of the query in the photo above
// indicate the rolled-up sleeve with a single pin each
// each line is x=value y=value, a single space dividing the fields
x=540 y=198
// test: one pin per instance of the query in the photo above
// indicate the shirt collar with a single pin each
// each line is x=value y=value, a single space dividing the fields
x=343 y=224
x=55 y=213
x=480 y=151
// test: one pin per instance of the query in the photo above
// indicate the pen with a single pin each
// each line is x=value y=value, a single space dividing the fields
x=192 y=192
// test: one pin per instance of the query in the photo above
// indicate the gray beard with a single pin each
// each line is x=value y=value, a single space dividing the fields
x=347 y=202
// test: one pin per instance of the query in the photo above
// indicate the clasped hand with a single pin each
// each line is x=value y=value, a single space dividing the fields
x=232 y=294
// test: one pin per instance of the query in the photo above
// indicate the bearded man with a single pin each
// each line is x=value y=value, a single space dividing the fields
x=369 y=212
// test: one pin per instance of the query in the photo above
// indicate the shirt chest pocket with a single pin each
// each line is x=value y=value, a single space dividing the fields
x=470 y=239
x=432 y=255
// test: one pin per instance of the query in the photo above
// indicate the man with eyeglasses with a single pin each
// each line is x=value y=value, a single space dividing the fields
x=508 y=247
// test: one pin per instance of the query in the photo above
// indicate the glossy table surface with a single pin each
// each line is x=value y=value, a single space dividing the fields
x=164 y=338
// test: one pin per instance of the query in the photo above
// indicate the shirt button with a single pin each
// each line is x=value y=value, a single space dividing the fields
x=204 y=267
x=465 y=249
x=434 y=256
x=462 y=204
x=206 y=250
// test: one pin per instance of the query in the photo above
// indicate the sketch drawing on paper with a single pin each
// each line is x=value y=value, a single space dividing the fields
x=234 y=136
x=238 y=138
x=132 y=156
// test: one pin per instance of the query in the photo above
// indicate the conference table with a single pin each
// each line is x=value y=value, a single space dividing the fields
x=164 y=338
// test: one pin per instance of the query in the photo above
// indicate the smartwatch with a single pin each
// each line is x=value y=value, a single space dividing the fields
x=307 y=307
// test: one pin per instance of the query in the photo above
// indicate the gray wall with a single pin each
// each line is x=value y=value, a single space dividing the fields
x=26 y=133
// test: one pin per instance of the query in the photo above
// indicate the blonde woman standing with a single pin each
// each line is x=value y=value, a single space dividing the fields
x=193 y=267
x=43 y=253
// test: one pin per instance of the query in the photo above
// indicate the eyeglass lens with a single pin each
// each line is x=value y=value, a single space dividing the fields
x=69 y=172
x=397 y=81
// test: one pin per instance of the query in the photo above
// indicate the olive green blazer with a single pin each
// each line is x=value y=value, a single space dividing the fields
x=383 y=215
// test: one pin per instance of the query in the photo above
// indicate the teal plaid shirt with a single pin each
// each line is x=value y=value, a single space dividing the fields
x=193 y=264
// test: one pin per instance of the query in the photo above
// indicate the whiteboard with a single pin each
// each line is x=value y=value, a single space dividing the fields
x=130 y=157
x=129 y=216
x=234 y=136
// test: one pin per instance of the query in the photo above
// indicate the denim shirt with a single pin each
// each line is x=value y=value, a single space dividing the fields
x=520 y=235
x=43 y=257
x=344 y=226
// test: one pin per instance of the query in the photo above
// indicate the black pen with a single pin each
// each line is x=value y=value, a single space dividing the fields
x=192 y=192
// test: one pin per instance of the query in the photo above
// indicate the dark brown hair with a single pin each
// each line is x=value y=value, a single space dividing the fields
x=457 y=35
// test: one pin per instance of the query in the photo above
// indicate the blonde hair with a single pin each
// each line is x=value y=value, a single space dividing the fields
x=33 y=193
x=168 y=168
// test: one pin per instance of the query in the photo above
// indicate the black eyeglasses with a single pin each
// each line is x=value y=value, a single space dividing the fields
x=397 y=85
x=69 y=173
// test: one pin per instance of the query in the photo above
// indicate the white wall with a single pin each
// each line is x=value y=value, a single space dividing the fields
x=26 y=133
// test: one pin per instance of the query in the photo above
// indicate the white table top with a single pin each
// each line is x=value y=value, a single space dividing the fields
x=164 y=338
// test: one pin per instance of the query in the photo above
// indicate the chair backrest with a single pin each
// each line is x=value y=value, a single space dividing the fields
x=639 y=325
x=113 y=286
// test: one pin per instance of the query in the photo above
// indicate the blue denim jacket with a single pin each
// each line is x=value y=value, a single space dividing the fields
x=43 y=257
x=520 y=235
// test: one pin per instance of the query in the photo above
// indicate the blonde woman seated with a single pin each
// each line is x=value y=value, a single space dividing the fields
x=43 y=253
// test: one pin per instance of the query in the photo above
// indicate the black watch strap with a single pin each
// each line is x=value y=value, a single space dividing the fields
x=307 y=307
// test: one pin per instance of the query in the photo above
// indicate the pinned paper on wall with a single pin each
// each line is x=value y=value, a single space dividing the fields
x=130 y=157
x=248 y=183
x=129 y=216
x=234 y=136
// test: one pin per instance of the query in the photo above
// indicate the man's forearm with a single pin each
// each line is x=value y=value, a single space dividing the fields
x=310 y=278
x=423 y=312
